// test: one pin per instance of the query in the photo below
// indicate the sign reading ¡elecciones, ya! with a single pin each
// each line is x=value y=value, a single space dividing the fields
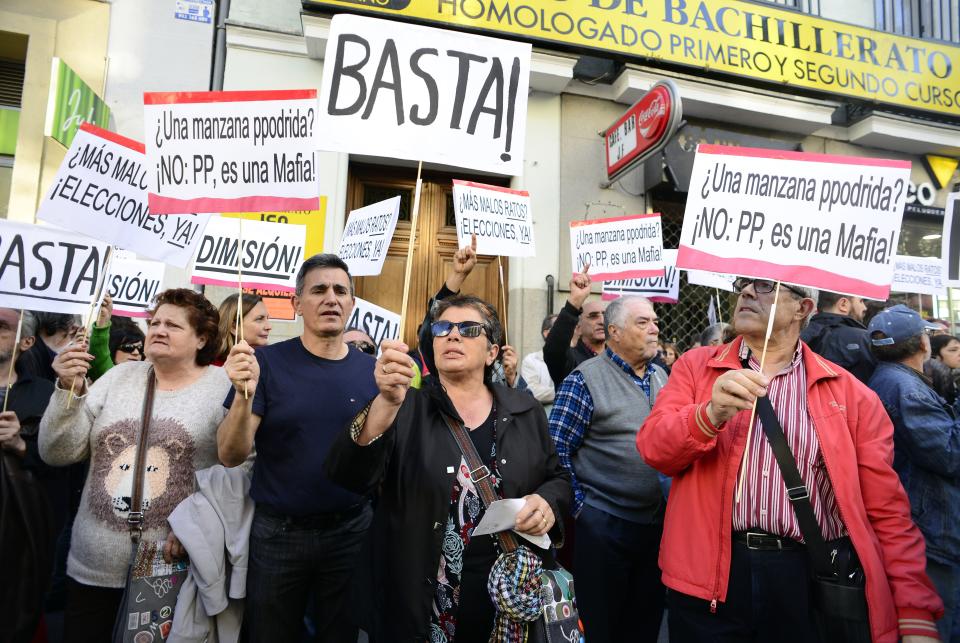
x=236 y=151
x=816 y=220
x=500 y=218
x=404 y=91
x=101 y=191
x=367 y=235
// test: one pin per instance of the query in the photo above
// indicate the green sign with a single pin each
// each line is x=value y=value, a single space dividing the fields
x=71 y=103
x=9 y=125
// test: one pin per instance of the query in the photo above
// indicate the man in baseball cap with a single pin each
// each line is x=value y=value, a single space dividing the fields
x=926 y=436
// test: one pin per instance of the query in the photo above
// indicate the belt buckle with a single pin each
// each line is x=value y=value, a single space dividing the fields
x=760 y=536
x=482 y=468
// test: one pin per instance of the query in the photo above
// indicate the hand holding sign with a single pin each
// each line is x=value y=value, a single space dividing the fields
x=509 y=360
x=735 y=391
x=71 y=366
x=242 y=367
x=394 y=371
x=106 y=311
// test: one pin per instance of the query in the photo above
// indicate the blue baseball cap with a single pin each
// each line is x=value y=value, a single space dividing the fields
x=896 y=324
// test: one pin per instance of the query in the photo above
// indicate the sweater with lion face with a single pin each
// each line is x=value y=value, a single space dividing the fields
x=104 y=426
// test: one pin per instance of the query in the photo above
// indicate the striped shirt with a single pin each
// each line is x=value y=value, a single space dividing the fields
x=764 y=503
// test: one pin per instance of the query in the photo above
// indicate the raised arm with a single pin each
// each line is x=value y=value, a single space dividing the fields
x=557 y=343
x=237 y=430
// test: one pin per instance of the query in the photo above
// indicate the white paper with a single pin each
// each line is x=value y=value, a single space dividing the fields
x=501 y=515
x=923 y=275
x=627 y=247
x=398 y=90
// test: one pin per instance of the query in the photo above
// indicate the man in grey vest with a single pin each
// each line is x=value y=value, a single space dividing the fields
x=618 y=503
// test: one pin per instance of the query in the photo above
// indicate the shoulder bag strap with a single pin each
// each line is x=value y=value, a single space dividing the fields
x=796 y=489
x=479 y=474
x=135 y=517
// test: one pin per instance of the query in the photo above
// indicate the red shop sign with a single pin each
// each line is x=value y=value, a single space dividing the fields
x=644 y=129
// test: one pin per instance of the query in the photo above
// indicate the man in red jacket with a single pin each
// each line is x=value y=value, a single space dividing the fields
x=731 y=554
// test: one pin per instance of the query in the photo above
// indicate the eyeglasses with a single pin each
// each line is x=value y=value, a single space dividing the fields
x=762 y=286
x=465 y=328
x=131 y=348
x=363 y=346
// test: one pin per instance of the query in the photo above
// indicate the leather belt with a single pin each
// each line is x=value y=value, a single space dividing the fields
x=763 y=541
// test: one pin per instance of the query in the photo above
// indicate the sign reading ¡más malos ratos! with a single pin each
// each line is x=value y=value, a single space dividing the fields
x=644 y=129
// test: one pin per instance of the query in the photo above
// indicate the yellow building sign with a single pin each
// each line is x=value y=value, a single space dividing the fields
x=751 y=40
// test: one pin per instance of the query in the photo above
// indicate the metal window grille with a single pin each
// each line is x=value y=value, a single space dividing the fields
x=806 y=6
x=929 y=19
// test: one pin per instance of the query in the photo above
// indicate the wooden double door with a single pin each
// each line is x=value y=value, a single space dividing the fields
x=434 y=245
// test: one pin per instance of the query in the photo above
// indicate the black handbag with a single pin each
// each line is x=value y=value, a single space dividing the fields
x=839 y=599
x=152 y=588
x=559 y=620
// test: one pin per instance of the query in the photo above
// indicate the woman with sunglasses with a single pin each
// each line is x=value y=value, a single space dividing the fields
x=255 y=320
x=425 y=573
x=113 y=340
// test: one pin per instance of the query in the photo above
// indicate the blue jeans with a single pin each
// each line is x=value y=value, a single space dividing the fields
x=619 y=594
x=294 y=560
x=946 y=578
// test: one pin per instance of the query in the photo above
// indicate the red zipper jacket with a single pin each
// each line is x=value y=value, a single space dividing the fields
x=856 y=440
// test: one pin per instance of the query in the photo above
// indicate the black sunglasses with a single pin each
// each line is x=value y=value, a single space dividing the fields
x=364 y=346
x=465 y=328
x=131 y=348
x=762 y=286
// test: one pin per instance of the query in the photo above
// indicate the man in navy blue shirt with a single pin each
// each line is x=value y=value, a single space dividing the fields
x=307 y=531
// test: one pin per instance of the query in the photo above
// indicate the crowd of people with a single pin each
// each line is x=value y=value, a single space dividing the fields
x=657 y=486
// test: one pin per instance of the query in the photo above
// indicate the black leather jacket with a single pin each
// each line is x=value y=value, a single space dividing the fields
x=843 y=341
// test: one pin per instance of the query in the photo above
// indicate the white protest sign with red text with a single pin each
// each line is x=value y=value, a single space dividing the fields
x=101 y=191
x=500 y=218
x=133 y=284
x=236 y=151
x=664 y=289
x=816 y=220
x=399 y=90
x=47 y=269
x=267 y=254
x=619 y=247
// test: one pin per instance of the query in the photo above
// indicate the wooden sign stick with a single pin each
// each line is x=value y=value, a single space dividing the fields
x=85 y=331
x=503 y=299
x=719 y=314
x=13 y=359
x=409 y=268
x=753 y=411
x=238 y=334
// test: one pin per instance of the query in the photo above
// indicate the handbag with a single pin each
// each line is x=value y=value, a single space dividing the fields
x=839 y=599
x=540 y=601
x=150 y=594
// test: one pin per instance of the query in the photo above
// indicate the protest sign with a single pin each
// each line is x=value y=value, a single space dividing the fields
x=628 y=247
x=664 y=289
x=921 y=275
x=404 y=91
x=101 y=191
x=236 y=151
x=717 y=280
x=367 y=235
x=816 y=220
x=500 y=218
x=950 y=241
x=375 y=321
x=133 y=284
x=314 y=220
x=42 y=268
x=271 y=252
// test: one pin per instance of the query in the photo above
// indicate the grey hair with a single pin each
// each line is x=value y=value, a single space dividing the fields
x=29 y=328
x=322 y=260
x=615 y=314
x=491 y=322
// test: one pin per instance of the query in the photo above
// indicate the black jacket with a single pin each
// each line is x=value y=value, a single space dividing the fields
x=559 y=357
x=842 y=340
x=394 y=584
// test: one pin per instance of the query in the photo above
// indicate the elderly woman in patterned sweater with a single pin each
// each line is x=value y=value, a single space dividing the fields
x=102 y=424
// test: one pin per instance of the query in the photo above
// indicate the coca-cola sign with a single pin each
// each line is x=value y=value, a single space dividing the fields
x=643 y=130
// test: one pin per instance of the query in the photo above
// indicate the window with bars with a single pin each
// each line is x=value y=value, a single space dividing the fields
x=928 y=19
x=806 y=6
